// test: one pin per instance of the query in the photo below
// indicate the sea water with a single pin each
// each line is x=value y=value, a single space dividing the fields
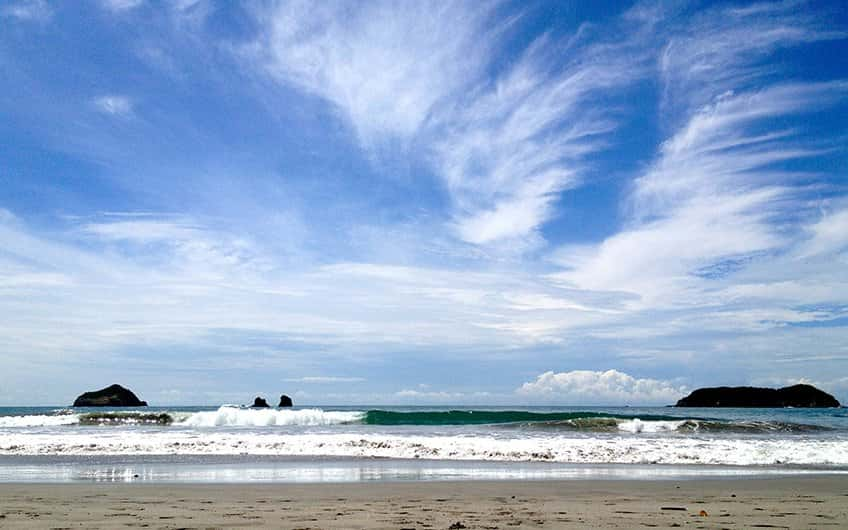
x=319 y=444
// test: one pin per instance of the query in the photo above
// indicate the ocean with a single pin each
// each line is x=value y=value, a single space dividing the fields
x=343 y=444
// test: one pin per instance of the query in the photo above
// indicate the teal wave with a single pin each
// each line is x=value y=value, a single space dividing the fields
x=588 y=421
x=485 y=417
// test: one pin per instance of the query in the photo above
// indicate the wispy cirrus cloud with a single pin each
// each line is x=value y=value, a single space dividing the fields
x=385 y=65
x=726 y=49
x=114 y=104
x=325 y=379
x=520 y=141
x=120 y=5
x=828 y=235
x=504 y=148
x=33 y=10
x=714 y=200
x=143 y=230
x=442 y=396
x=181 y=279
x=713 y=184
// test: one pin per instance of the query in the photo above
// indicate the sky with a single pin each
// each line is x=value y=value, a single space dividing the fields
x=492 y=203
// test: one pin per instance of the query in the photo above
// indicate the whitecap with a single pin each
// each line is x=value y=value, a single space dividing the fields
x=38 y=420
x=638 y=426
x=231 y=416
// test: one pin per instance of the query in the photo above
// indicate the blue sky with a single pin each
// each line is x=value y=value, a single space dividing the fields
x=422 y=202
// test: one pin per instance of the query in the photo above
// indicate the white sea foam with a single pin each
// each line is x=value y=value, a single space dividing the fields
x=38 y=420
x=594 y=449
x=637 y=426
x=231 y=416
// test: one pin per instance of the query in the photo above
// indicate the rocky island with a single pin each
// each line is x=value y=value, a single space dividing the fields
x=799 y=396
x=111 y=396
x=259 y=403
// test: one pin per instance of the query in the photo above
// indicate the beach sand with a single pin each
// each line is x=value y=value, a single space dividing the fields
x=803 y=502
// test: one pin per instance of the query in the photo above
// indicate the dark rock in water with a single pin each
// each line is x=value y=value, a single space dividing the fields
x=260 y=402
x=285 y=401
x=111 y=396
x=800 y=396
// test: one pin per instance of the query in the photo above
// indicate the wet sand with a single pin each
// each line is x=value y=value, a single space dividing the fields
x=803 y=502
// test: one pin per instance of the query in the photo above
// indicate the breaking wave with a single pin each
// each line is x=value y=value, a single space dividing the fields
x=126 y=418
x=242 y=417
x=38 y=420
x=234 y=416
x=583 y=449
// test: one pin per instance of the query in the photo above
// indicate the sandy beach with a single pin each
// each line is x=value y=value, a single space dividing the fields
x=804 y=502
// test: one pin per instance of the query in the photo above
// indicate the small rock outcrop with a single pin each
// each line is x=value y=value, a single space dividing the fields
x=799 y=396
x=260 y=403
x=111 y=396
x=285 y=401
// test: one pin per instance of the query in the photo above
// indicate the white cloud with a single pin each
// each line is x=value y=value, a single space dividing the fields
x=452 y=398
x=173 y=279
x=7 y=217
x=325 y=379
x=603 y=388
x=504 y=148
x=827 y=235
x=176 y=280
x=383 y=64
x=10 y=279
x=35 y=10
x=722 y=49
x=114 y=104
x=185 y=5
x=120 y=5
x=433 y=395
x=181 y=242
x=508 y=152
x=142 y=231
x=712 y=200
